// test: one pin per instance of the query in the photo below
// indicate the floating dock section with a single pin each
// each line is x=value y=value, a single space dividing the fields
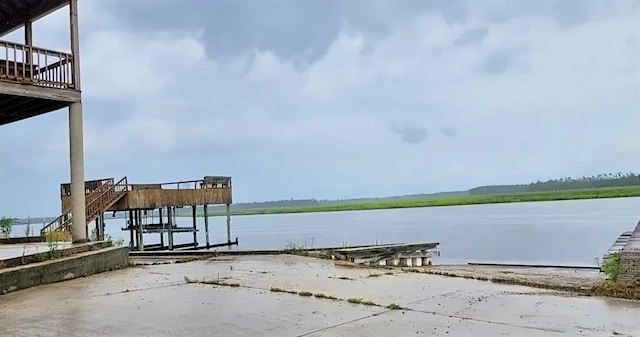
x=394 y=255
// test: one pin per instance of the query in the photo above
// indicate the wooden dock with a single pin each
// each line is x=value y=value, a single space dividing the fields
x=397 y=255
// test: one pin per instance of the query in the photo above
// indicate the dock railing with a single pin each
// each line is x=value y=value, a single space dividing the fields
x=209 y=182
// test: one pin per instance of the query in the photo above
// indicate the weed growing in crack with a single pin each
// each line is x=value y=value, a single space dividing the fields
x=279 y=290
x=354 y=300
x=328 y=297
x=394 y=306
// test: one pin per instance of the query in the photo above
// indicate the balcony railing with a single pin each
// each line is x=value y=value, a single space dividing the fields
x=36 y=66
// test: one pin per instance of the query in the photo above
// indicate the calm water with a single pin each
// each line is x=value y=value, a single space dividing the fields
x=559 y=232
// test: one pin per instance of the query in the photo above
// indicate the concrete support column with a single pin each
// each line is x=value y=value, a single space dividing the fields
x=76 y=146
x=79 y=222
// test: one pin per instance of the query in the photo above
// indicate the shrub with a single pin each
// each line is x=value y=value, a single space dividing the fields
x=611 y=266
x=5 y=227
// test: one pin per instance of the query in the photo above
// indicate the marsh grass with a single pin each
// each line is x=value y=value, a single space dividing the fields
x=595 y=193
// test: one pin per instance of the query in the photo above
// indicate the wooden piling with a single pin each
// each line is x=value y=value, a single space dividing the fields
x=195 y=225
x=170 y=223
x=228 y=223
x=132 y=241
x=206 y=224
x=162 y=225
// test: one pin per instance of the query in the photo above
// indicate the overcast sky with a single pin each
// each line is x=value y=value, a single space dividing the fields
x=337 y=99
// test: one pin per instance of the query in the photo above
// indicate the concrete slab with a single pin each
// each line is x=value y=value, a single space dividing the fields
x=8 y=251
x=156 y=301
x=410 y=323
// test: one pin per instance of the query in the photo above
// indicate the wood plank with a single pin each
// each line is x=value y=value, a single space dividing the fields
x=28 y=90
x=390 y=247
x=158 y=198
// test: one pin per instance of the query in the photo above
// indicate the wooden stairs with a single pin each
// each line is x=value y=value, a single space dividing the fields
x=97 y=203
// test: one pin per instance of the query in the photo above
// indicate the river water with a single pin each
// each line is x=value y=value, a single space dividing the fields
x=557 y=232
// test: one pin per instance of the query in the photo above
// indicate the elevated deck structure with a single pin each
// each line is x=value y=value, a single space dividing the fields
x=33 y=80
x=36 y=81
x=140 y=201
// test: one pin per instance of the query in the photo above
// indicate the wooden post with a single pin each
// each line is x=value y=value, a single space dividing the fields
x=101 y=227
x=170 y=223
x=161 y=225
x=97 y=228
x=206 y=225
x=140 y=234
x=129 y=222
x=195 y=226
x=134 y=223
x=228 y=223
x=28 y=41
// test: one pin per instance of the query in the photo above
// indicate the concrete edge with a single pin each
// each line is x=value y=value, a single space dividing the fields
x=46 y=256
x=67 y=268
x=22 y=240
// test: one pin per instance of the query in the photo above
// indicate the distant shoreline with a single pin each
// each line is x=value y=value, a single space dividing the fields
x=582 y=194
x=595 y=193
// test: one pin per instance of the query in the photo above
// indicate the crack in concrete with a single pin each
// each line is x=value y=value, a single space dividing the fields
x=435 y=313
x=175 y=284
x=471 y=319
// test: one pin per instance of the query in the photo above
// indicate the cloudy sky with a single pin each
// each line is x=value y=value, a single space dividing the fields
x=337 y=99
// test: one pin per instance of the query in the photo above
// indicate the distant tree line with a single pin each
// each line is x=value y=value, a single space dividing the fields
x=277 y=203
x=597 y=181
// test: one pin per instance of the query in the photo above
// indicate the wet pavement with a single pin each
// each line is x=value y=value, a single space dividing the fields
x=155 y=300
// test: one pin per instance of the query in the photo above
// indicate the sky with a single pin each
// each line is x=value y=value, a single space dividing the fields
x=337 y=99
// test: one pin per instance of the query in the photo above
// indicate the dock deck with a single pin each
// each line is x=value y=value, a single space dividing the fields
x=399 y=254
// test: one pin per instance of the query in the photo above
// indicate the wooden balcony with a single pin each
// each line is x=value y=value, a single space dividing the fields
x=34 y=81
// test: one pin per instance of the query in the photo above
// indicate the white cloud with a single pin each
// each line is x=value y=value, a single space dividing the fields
x=411 y=111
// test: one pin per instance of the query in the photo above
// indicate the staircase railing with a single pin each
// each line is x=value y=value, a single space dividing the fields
x=60 y=222
x=106 y=199
x=65 y=218
x=97 y=202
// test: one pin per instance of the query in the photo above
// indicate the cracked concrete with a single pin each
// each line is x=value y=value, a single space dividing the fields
x=155 y=300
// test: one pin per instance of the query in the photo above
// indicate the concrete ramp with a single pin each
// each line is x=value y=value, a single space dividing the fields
x=619 y=244
x=633 y=243
x=628 y=246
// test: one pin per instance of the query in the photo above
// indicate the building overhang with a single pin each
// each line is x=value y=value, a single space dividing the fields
x=14 y=13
